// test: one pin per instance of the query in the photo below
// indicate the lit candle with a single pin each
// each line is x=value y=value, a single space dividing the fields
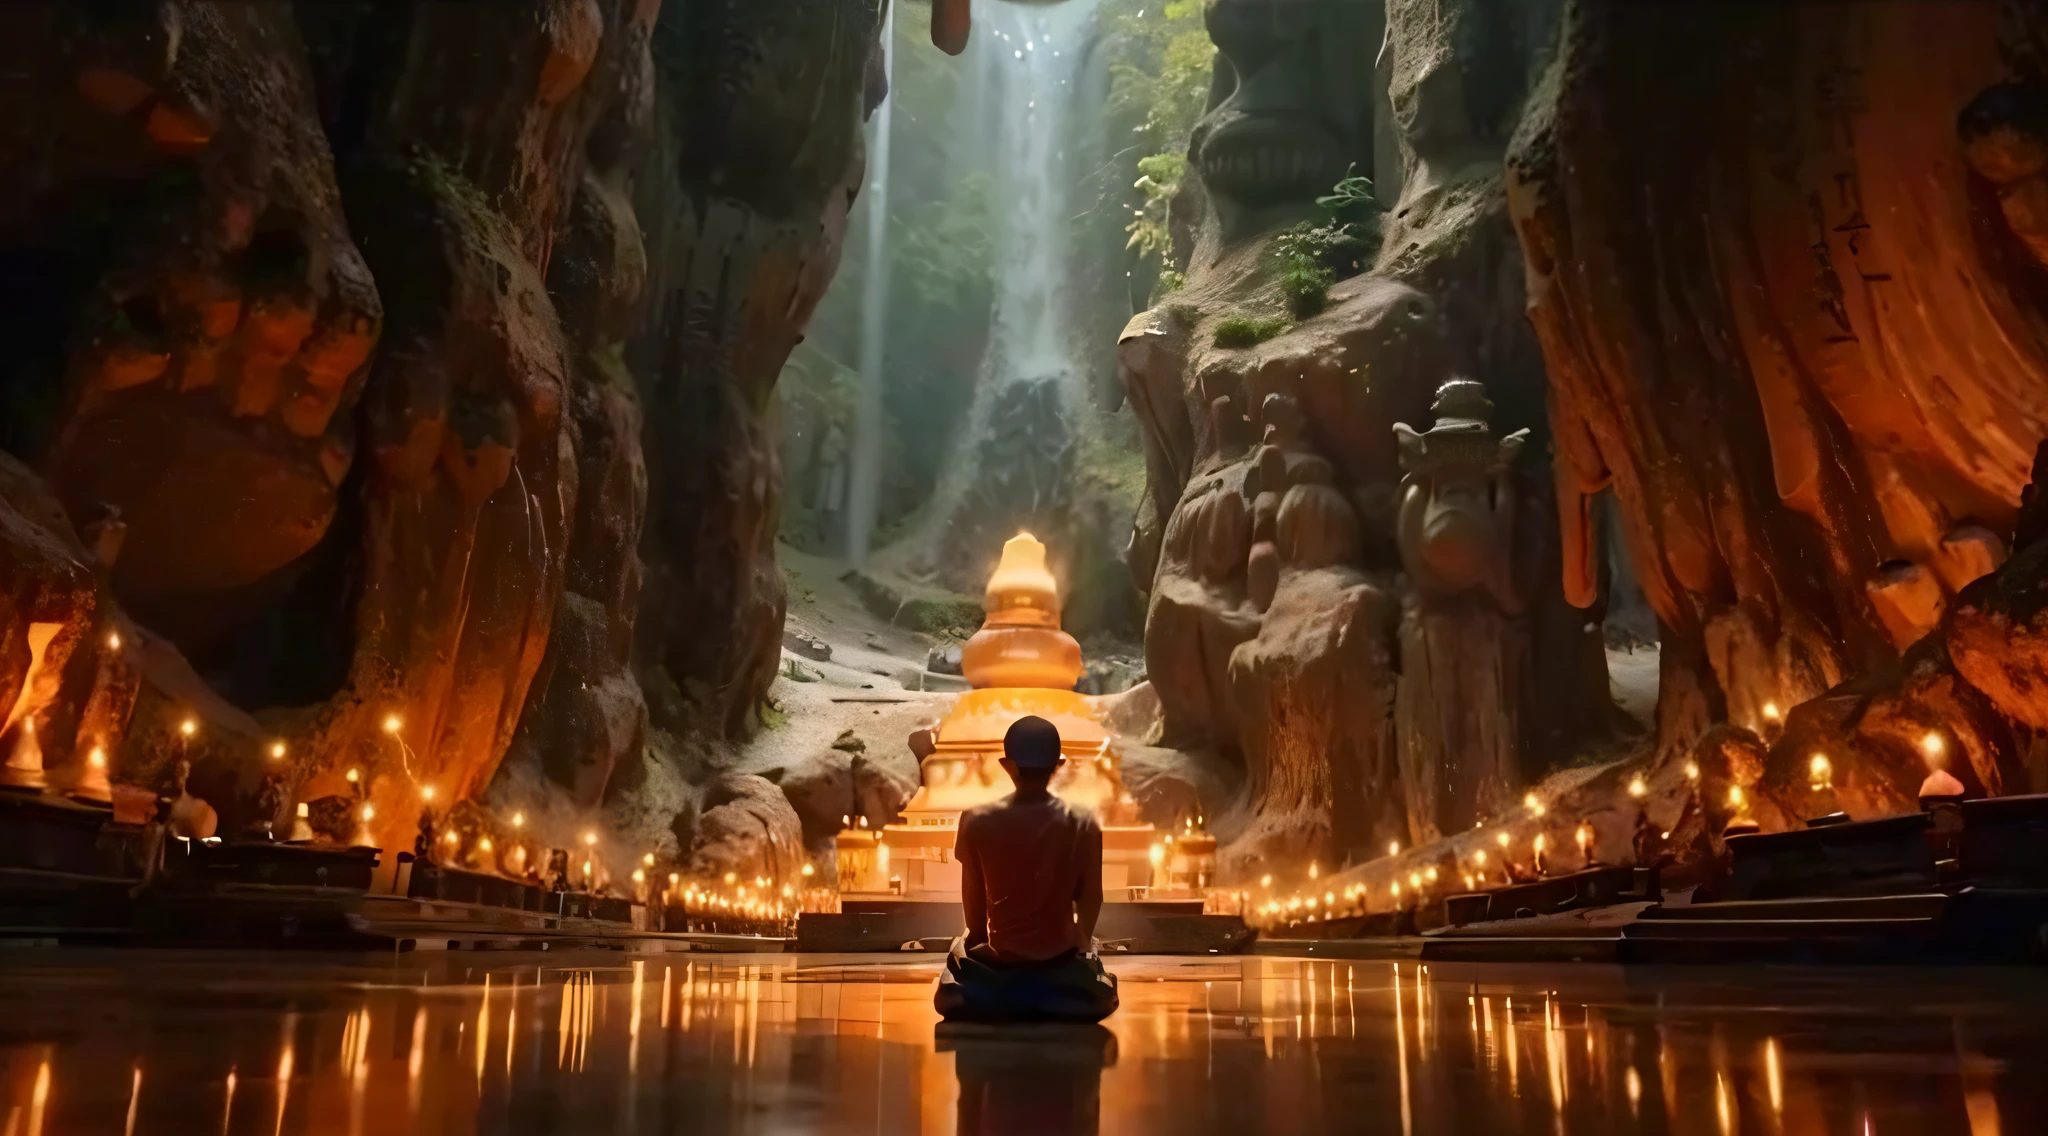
x=1638 y=788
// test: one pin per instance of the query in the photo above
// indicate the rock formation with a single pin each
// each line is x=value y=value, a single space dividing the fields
x=1786 y=326
x=1269 y=544
x=344 y=317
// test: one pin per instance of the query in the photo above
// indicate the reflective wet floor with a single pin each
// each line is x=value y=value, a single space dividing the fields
x=604 y=1042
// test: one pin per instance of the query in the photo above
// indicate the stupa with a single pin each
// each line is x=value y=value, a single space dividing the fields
x=1019 y=663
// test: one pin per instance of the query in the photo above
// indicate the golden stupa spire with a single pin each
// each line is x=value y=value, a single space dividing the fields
x=1020 y=644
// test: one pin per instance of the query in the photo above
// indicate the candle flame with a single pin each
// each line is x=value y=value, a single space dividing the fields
x=188 y=727
x=1638 y=788
x=1932 y=746
x=97 y=758
x=276 y=751
x=1692 y=771
x=1771 y=712
x=392 y=723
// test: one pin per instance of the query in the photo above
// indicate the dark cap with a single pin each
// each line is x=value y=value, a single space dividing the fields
x=1033 y=743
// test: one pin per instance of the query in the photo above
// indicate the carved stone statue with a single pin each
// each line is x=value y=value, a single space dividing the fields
x=1464 y=649
x=1457 y=518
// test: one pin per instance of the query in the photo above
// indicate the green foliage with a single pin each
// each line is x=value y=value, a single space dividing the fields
x=942 y=255
x=1350 y=200
x=1160 y=64
x=1159 y=177
x=1249 y=330
x=1314 y=255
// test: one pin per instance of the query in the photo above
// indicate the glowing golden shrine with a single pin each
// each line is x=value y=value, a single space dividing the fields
x=1019 y=663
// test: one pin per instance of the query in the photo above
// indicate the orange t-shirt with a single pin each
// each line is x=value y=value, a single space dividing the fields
x=1031 y=861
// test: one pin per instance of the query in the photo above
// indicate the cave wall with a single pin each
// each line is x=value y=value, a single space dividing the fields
x=1284 y=628
x=1791 y=327
x=371 y=357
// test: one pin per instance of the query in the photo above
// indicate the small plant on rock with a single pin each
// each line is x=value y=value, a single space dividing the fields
x=1316 y=254
x=1248 y=330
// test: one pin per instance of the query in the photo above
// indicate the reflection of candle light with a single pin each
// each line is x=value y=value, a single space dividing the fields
x=1821 y=771
x=1772 y=1078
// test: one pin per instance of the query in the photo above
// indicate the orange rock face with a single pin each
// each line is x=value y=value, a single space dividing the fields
x=346 y=313
x=1780 y=326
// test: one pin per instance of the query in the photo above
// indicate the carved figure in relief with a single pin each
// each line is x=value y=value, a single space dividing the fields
x=1457 y=517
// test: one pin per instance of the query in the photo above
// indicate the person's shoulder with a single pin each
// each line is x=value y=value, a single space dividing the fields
x=979 y=813
x=1082 y=818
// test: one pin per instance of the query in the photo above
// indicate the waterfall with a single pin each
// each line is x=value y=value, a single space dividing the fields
x=864 y=485
x=1007 y=462
x=1037 y=56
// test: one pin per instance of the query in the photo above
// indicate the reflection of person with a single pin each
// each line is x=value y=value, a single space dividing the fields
x=1031 y=889
x=1030 y=864
x=1030 y=1079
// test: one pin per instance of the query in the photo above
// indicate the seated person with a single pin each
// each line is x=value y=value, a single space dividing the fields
x=1031 y=888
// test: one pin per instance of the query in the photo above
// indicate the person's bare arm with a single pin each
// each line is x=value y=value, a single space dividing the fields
x=973 y=890
x=1088 y=896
